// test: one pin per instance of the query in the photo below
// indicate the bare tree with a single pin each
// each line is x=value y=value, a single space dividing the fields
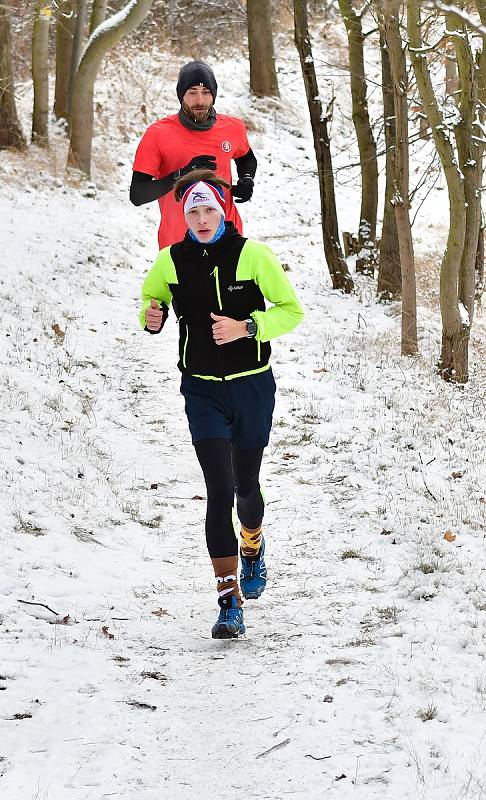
x=341 y=279
x=40 y=73
x=65 y=18
x=103 y=39
x=401 y=199
x=263 y=75
x=364 y=133
x=10 y=131
x=389 y=285
x=462 y=169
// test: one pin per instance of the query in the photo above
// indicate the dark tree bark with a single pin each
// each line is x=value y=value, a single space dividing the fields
x=390 y=272
x=362 y=125
x=263 y=75
x=65 y=18
x=81 y=116
x=401 y=193
x=10 y=131
x=338 y=269
x=77 y=46
x=40 y=73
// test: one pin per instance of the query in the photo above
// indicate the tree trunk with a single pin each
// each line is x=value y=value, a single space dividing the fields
x=401 y=201
x=452 y=77
x=64 y=44
x=40 y=73
x=455 y=327
x=364 y=133
x=77 y=46
x=10 y=131
x=81 y=120
x=338 y=269
x=98 y=14
x=470 y=161
x=263 y=75
x=390 y=272
x=479 y=266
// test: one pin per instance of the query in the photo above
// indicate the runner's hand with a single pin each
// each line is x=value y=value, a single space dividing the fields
x=227 y=330
x=153 y=316
x=199 y=162
x=243 y=189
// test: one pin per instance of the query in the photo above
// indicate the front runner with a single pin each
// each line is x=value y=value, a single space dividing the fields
x=217 y=282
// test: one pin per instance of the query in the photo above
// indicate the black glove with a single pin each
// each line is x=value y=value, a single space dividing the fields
x=243 y=189
x=198 y=162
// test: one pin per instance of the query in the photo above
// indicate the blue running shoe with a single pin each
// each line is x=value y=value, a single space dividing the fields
x=229 y=624
x=253 y=576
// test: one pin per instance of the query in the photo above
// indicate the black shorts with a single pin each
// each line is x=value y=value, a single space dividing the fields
x=239 y=410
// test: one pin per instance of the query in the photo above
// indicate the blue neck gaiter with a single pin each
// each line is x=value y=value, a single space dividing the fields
x=217 y=235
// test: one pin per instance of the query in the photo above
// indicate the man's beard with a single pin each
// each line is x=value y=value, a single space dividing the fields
x=199 y=115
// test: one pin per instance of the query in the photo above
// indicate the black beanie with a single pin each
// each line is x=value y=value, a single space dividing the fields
x=193 y=74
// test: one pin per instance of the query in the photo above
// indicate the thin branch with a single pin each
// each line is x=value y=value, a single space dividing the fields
x=43 y=605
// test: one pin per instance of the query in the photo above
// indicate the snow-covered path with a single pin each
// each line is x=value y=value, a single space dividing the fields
x=371 y=619
x=363 y=671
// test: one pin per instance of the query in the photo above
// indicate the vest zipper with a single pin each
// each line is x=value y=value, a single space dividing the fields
x=215 y=272
x=259 y=358
x=185 y=347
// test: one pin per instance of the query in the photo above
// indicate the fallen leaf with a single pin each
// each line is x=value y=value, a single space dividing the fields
x=154 y=485
x=322 y=369
x=59 y=333
x=288 y=456
x=458 y=474
x=449 y=536
x=197 y=497
x=106 y=632
x=160 y=612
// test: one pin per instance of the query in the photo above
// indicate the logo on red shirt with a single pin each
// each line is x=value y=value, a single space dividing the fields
x=226 y=146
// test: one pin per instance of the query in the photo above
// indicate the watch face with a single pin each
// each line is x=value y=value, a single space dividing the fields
x=251 y=327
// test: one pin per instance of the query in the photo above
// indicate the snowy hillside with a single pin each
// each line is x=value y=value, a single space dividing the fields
x=363 y=670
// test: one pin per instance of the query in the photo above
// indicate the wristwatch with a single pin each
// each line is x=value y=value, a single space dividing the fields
x=251 y=328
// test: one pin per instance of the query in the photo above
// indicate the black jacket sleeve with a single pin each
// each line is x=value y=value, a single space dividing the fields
x=246 y=165
x=144 y=188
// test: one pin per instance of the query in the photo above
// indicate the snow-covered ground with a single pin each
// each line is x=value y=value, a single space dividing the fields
x=363 y=671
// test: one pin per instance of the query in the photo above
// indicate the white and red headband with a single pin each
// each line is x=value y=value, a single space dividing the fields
x=203 y=194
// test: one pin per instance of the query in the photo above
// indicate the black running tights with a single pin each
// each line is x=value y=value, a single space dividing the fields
x=228 y=470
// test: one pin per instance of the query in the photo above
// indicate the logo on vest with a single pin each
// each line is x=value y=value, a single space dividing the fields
x=226 y=146
x=234 y=288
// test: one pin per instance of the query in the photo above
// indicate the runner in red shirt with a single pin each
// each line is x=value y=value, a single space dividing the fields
x=194 y=138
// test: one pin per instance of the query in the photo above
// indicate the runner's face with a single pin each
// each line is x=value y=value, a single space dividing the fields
x=203 y=221
x=197 y=102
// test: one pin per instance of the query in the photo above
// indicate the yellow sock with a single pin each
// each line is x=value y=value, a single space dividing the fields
x=250 y=541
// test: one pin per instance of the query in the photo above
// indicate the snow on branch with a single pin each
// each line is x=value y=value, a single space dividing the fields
x=450 y=8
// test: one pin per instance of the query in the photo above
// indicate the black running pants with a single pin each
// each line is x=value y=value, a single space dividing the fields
x=229 y=470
